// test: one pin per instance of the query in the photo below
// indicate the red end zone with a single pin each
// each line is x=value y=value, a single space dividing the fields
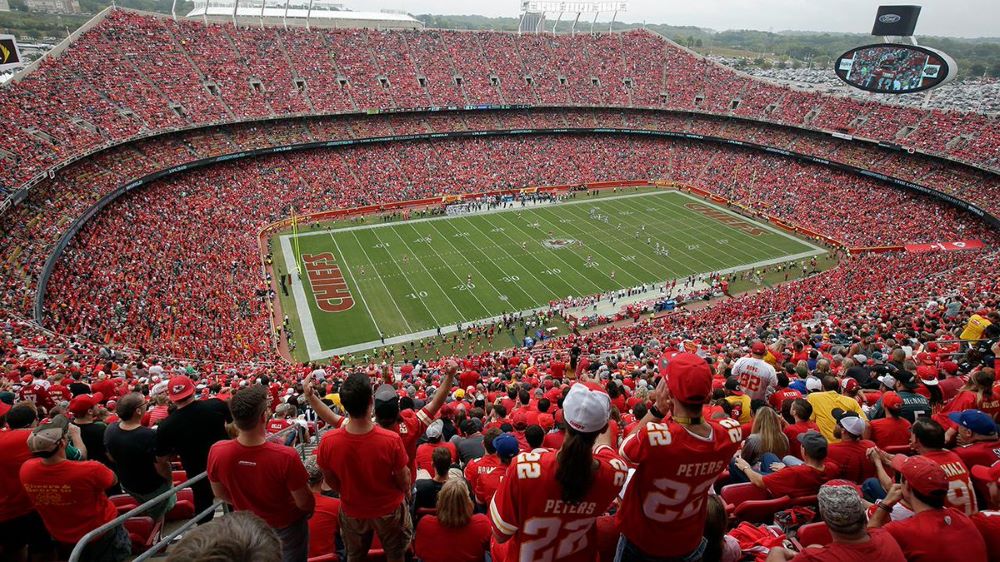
x=329 y=287
x=725 y=218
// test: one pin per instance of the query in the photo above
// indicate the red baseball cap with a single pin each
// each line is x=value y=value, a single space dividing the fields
x=546 y=421
x=181 y=387
x=758 y=349
x=848 y=384
x=4 y=408
x=987 y=473
x=84 y=402
x=927 y=374
x=519 y=419
x=949 y=367
x=689 y=378
x=922 y=474
x=892 y=401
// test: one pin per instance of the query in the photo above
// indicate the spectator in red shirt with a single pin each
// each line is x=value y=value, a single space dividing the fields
x=69 y=496
x=805 y=479
x=843 y=512
x=893 y=430
x=801 y=411
x=20 y=524
x=851 y=452
x=324 y=525
x=934 y=532
x=454 y=533
x=367 y=464
x=484 y=466
x=424 y=451
x=266 y=478
x=977 y=434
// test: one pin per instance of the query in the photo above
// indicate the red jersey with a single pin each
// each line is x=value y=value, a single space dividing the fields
x=324 y=526
x=433 y=542
x=36 y=395
x=881 y=547
x=890 y=432
x=424 y=452
x=275 y=425
x=663 y=511
x=60 y=392
x=782 y=394
x=936 y=535
x=467 y=379
x=793 y=431
x=800 y=480
x=852 y=458
x=69 y=496
x=557 y=369
x=260 y=479
x=410 y=428
x=488 y=466
x=988 y=523
x=984 y=453
x=554 y=440
x=529 y=508
x=365 y=466
x=960 y=491
x=14 y=445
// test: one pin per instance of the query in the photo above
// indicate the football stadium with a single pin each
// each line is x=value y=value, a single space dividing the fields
x=301 y=283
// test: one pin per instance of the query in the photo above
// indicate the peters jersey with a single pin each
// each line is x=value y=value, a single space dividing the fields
x=528 y=507
x=663 y=511
x=757 y=378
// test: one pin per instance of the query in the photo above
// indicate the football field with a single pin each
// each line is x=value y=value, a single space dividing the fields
x=403 y=280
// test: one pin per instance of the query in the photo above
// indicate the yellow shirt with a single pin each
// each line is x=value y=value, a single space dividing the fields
x=974 y=327
x=824 y=403
x=741 y=403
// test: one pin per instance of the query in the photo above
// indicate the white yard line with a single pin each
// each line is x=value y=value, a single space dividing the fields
x=406 y=277
x=387 y=291
x=301 y=301
x=514 y=258
x=429 y=274
x=361 y=293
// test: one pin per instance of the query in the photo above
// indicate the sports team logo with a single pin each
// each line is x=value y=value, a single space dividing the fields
x=557 y=243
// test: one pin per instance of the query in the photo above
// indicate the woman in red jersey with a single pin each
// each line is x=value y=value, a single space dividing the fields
x=547 y=504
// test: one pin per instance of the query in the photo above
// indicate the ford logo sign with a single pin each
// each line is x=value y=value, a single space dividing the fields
x=889 y=18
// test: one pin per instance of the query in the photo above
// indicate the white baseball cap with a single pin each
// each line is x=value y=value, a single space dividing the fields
x=586 y=409
x=434 y=429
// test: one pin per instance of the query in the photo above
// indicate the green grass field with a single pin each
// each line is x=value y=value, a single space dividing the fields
x=403 y=280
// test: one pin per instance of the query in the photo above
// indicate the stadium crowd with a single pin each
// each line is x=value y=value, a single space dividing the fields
x=218 y=75
x=200 y=305
x=794 y=404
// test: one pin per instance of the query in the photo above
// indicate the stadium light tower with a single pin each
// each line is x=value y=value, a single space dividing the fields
x=533 y=13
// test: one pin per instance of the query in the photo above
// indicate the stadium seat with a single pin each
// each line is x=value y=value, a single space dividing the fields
x=735 y=494
x=325 y=558
x=184 y=508
x=143 y=532
x=805 y=500
x=761 y=511
x=179 y=476
x=814 y=533
x=124 y=503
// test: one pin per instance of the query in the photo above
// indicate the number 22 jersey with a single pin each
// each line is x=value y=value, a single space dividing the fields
x=663 y=512
x=528 y=507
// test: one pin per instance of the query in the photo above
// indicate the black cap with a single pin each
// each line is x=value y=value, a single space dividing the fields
x=814 y=444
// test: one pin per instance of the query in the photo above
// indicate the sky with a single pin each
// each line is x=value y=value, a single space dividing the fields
x=954 y=18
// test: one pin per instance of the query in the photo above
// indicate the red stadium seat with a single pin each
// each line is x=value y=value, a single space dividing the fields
x=814 y=533
x=143 y=531
x=325 y=558
x=179 y=476
x=805 y=501
x=899 y=450
x=184 y=508
x=124 y=503
x=735 y=494
x=761 y=511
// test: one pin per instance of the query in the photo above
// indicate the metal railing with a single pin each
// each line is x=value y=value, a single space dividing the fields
x=81 y=545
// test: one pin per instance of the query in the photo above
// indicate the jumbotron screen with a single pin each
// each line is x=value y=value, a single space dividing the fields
x=890 y=68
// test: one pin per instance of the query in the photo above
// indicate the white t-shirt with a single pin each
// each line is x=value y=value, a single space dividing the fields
x=756 y=376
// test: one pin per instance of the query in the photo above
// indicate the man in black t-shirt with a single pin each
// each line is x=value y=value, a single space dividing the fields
x=190 y=432
x=76 y=387
x=132 y=447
